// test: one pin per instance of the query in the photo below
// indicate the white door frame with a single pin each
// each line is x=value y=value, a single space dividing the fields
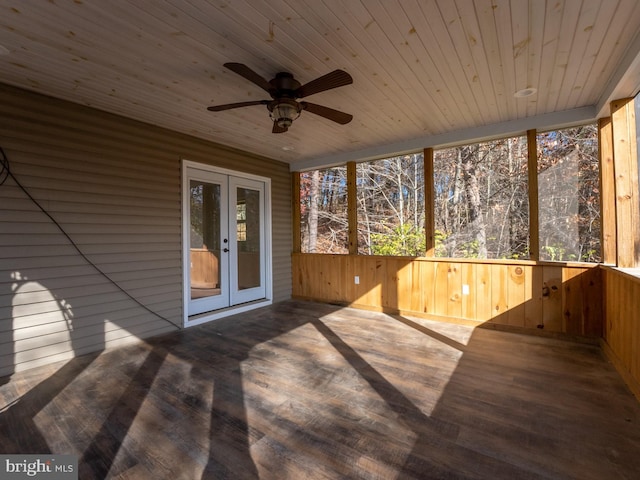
x=189 y=321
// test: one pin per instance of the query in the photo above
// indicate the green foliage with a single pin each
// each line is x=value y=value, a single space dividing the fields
x=402 y=240
x=557 y=253
x=469 y=249
x=591 y=255
x=440 y=238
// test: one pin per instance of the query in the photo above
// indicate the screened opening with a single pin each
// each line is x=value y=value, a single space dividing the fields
x=481 y=200
x=569 y=194
x=390 y=196
x=323 y=211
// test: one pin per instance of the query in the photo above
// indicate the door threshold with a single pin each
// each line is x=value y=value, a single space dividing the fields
x=205 y=317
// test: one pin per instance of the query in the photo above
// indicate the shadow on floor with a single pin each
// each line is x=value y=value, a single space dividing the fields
x=303 y=390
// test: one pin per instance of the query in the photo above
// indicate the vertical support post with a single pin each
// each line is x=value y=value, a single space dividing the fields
x=625 y=161
x=295 y=212
x=352 y=208
x=429 y=204
x=534 y=218
x=607 y=191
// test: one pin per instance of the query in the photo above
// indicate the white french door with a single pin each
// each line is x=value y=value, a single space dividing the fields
x=225 y=240
x=246 y=240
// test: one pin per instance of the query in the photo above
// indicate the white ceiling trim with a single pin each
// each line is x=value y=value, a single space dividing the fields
x=625 y=82
x=544 y=122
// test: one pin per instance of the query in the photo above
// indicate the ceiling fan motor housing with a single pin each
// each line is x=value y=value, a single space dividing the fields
x=284 y=85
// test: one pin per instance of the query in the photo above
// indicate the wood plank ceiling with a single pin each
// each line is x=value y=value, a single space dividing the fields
x=426 y=73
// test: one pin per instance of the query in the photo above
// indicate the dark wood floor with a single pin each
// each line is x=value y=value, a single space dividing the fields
x=307 y=391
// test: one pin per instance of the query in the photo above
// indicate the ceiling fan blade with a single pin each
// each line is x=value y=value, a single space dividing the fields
x=334 y=79
x=244 y=71
x=229 y=106
x=326 y=112
x=278 y=129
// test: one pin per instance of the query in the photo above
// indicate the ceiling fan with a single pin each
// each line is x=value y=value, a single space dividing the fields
x=285 y=91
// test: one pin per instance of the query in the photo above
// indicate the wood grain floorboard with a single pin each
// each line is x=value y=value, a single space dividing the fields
x=302 y=390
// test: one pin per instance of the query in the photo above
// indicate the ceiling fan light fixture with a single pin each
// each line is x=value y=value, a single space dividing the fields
x=284 y=112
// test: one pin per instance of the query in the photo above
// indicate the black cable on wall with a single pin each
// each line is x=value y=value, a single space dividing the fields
x=5 y=173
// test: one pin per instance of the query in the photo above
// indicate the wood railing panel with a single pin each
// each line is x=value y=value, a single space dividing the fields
x=426 y=287
x=533 y=285
x=469 y=277
x=571 y=301
x=557 y=298
x=404 y=290
x=593 y=311
x=390 y=283
x=499 y=288
x=516 y=295
x=441 y=289
x=552 y=298
x=454 y=290
x=483 y=292
x=621 y=334
x=417 y=295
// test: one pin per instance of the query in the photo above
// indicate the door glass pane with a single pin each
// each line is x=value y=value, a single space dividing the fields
x=248 y=238
x=205 y=239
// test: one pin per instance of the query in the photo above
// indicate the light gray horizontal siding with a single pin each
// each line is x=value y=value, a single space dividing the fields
x=114 y=185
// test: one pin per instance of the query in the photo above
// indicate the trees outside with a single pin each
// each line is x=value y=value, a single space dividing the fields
x=569 y=194
x=391 y=206
x=323 y=211
x=481 y=203
x=481 y=200
x=390 y=196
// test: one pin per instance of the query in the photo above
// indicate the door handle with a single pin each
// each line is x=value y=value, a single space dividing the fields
x=225 y=250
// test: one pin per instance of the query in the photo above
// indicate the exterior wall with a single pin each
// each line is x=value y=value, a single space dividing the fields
x=114 y=185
